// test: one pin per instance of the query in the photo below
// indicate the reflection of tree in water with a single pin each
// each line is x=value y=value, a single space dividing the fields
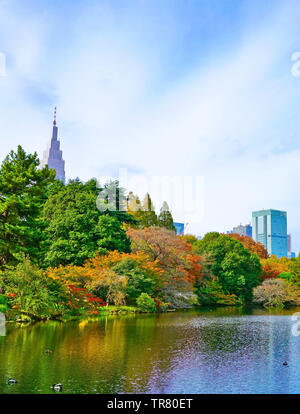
x=144 y=353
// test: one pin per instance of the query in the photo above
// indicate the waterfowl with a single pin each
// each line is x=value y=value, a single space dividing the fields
x=12 y=381
x=285 y=363
x=48 y=351
x=57 y=387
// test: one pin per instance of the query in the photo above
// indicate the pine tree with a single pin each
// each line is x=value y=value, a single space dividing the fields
x=165 y=218
x=23 y=191
x=147 y=203
x=143 y=213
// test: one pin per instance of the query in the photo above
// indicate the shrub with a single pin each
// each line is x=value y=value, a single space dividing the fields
x=161 y=306
x=275 y=292
x=211 y=293
x=286 y=276
x=146 y=303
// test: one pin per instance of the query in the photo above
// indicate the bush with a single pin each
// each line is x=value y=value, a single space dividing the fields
x=211 y=293
x=161 y=306
x=286 y=276
x=275 y=293
x=146 y=303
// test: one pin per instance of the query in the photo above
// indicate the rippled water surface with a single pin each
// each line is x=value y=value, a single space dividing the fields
x=219 y=351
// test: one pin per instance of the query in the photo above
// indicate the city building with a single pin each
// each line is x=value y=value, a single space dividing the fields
x=53 y=155
x=269 y=227
x=290 y=254
x=242 y=230
x=179 y=228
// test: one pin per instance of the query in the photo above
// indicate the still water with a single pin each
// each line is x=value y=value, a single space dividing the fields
x=219 y=351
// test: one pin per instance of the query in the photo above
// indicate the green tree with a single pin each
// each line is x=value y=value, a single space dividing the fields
x=138 y=280
x=110 y=235
x=295 y=270
x=146 y=303
x=76 y=229
x=236 y=269
x=34 y=294
x=112 y=201
x=165 y=218
x=23 y=192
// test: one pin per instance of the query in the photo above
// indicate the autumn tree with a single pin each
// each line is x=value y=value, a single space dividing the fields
x=273 y=267
x=181 y=268
x=250 y=244
x=107 y=282
x=142 y=274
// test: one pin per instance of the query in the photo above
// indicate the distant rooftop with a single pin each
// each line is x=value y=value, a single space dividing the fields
x=267 y=212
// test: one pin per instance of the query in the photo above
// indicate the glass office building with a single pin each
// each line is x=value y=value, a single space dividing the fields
x=179 y=228
x=269 y=227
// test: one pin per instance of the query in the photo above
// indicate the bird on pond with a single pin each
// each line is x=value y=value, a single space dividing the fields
x=57 y=387
x=285 y=363
x=12 y=381
x=48 y=351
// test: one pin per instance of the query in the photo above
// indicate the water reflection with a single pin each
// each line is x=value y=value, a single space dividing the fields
x=227 y=350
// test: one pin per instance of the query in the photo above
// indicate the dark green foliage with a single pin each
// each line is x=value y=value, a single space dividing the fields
x=110 y=235
x=235 y=267
x=23 y=191
x=112 y=201
x=76 y=229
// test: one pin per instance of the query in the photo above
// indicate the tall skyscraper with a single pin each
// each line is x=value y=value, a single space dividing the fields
x=270 y=229
x=53 y=154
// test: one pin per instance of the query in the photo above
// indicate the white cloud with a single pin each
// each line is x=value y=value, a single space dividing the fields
x=230 y=120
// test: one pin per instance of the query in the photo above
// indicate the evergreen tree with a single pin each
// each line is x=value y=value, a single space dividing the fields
x=76 y=229
x=143 y=213
x=23 y=191
x=147 y=203
x=165 y=218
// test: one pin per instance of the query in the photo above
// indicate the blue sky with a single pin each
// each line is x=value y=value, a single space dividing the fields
x=172 y=87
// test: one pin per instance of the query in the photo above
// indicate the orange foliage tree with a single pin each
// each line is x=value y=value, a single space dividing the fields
x=272 y=267
x=174 y=255
x=251 y=245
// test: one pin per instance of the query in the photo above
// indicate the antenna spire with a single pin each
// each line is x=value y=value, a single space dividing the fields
x=54 y=120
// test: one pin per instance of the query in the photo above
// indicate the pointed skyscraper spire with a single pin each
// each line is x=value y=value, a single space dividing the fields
x=53 y=155
x=54 y=120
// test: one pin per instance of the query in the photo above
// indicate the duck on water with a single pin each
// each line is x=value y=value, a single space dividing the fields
x=57 y=387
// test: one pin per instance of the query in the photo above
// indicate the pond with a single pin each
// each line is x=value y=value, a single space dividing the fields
x=213 y=351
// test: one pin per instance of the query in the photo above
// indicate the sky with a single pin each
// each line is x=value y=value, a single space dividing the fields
x=173 y=88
